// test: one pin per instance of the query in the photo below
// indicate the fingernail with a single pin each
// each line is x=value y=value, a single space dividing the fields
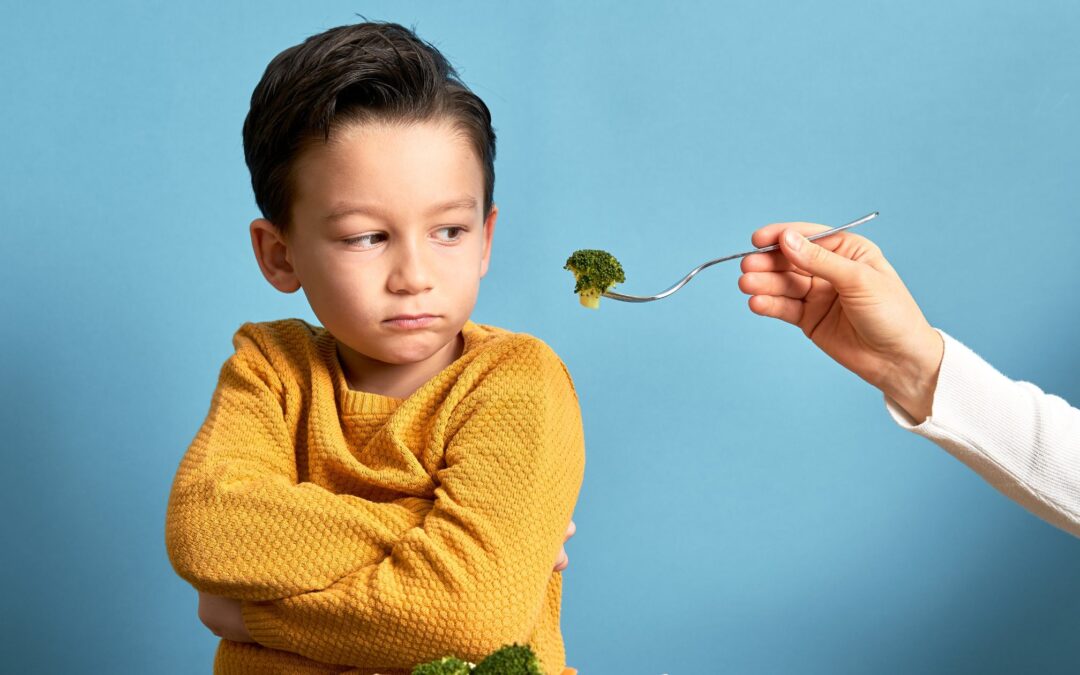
x=793 y=239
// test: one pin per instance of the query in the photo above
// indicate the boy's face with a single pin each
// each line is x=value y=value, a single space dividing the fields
x=387 y=220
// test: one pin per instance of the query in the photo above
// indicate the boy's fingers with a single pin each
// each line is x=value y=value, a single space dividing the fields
x=562 y=561
x=785 y=309
x=788 y=284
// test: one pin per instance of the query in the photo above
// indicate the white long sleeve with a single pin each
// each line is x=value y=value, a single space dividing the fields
x=1024 y=442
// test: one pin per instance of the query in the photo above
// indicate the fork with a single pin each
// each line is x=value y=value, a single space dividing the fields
x=682 y=282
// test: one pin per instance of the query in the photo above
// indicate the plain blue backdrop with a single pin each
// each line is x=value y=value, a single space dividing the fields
x=748 y=506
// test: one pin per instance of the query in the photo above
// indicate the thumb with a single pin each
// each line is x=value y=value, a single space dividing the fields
x=821 y=262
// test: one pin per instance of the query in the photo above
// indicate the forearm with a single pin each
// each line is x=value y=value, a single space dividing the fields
x=261 y=538
x=427 y=599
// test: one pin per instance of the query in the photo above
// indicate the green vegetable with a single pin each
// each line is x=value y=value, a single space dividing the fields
x=596 y=272
x=447 y=665
x=512 y=659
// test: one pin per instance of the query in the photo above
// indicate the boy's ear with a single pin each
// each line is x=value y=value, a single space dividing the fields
x=489 y=230
x=272 y=253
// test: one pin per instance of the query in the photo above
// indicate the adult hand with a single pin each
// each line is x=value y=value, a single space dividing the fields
x=846 y=297
x=222 y=616
x=563 y=561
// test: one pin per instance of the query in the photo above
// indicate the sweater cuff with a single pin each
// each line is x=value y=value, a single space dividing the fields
x=260 y=621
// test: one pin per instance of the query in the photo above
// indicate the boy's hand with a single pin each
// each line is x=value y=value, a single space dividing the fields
x=563 y=561
x=222 y=616
x=847 y=298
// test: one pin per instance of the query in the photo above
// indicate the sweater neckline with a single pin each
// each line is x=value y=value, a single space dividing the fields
x=359 y=402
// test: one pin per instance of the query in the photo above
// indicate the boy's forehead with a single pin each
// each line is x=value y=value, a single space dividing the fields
x=376 y=210
x=376 y=170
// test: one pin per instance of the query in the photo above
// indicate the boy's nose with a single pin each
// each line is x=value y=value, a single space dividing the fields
x=410 y=274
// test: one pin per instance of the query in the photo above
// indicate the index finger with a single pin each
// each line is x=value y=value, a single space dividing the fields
x=773 y=261
x=770 y=234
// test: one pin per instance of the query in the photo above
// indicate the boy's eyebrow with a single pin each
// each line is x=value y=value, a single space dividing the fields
x=367 y=210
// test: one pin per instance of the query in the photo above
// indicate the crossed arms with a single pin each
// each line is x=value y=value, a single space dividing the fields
x=344 y=580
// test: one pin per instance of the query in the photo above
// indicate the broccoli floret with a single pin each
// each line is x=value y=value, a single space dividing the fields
x=447 y=665
x=512 y=659
x=596 y=272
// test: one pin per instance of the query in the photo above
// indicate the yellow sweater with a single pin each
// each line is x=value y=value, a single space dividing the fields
x=366 y=534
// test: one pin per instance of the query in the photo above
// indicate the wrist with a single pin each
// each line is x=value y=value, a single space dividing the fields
x=913 y=379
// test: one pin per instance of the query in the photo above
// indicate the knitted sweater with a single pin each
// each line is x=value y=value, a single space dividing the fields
x=1024 y=442
x=366 y=534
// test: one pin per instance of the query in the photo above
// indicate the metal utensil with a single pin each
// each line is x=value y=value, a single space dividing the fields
x=682 y=282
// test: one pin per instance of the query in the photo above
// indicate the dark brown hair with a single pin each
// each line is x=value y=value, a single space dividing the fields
x=372 y=71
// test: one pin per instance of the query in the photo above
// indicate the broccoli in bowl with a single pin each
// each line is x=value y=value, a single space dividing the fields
x=596 y=272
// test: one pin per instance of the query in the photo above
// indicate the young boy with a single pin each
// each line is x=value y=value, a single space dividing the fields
x=391 y=487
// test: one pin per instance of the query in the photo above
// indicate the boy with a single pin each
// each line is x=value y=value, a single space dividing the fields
x=393 y=486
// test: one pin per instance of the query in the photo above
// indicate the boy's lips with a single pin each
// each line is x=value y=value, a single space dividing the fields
x=409 y=321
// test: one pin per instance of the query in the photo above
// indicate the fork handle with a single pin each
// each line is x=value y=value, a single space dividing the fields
x=819 y=235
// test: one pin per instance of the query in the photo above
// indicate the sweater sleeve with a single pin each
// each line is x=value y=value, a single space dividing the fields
x=475 y=574
x=1024 y=442
x=238 y=522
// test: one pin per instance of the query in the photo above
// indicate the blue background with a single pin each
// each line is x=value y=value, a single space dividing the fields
x=748 y=505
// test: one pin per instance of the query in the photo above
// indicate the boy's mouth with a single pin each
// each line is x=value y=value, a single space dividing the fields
x=409 y=321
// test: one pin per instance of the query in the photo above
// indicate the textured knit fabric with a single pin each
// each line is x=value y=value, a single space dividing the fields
x=1024 y=442
x=366 y=534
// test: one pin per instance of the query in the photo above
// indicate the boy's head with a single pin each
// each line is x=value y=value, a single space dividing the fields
x=373 y=166
x=349 y=74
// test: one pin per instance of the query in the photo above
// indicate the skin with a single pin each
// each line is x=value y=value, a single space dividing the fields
x=387 y=219
x=851 y=303
x=370 y=240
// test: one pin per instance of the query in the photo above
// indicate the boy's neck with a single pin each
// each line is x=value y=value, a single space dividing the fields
x=395 y=380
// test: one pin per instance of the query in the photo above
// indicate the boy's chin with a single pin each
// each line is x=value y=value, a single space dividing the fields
x=410 y=349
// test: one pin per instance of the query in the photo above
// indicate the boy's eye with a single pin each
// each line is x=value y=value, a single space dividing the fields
x=453 y=233
x=365 y=240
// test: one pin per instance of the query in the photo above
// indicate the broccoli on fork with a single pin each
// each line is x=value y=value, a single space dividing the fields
x=596 y=271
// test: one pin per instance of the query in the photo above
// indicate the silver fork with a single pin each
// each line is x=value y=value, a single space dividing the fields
x=682 y=282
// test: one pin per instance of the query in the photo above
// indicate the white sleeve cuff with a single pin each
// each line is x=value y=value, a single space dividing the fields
x=1022 y=441
x=974 y=402
x=967 y=387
